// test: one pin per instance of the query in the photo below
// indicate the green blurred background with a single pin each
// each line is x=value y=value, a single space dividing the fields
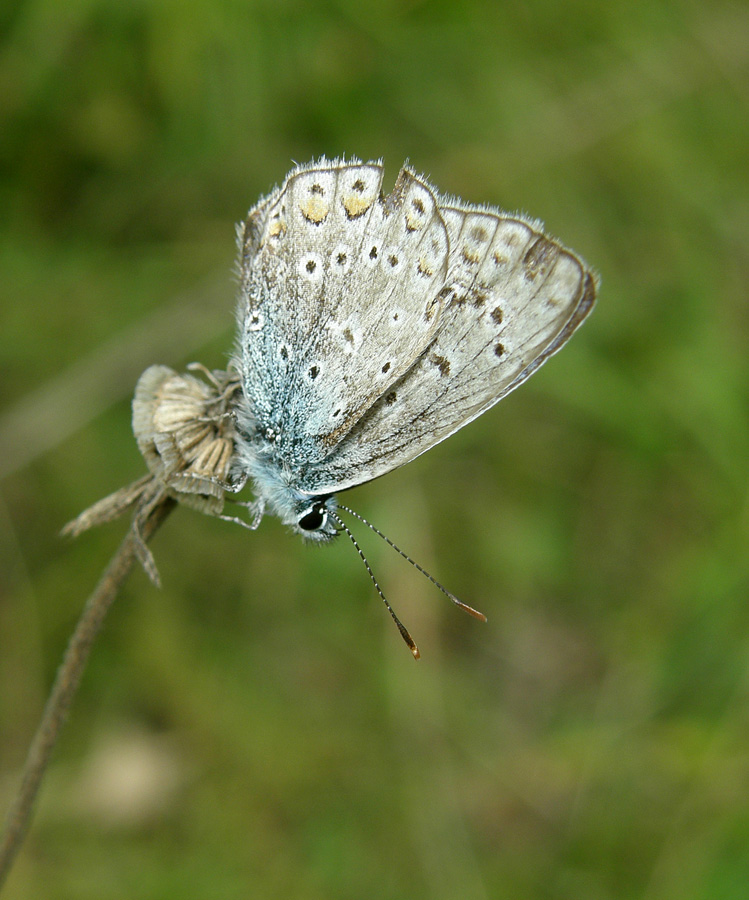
x=257 y=728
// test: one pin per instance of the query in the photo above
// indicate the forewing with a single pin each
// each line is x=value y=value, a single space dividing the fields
x=515 y=297
x=339 y=297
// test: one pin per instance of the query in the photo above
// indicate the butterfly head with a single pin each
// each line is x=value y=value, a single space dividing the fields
x=315 y=519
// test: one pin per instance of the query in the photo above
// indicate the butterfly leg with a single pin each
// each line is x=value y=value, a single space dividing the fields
x=256 y=509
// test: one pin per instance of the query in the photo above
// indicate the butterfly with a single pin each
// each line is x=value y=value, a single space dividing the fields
x=372 y=327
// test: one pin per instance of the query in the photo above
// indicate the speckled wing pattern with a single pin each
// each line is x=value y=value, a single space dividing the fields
x=339 y=295
x=373 y=328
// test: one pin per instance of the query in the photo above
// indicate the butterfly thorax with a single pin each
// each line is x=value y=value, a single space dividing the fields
x=274 y=477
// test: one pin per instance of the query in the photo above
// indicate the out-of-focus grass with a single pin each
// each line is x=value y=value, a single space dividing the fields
x=257 y=728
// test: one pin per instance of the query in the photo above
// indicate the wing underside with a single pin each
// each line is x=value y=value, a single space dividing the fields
x=339 y=296
x=515 y=297
x=372 y=328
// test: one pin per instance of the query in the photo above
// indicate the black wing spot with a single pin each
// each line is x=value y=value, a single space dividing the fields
x=442 y=363
x=310 y=266
x=479 y=297
x=499 y=349
x=390 y=398
x=386 y=367
x=314 y=372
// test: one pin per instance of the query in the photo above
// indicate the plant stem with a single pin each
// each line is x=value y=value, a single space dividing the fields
x=68 y=678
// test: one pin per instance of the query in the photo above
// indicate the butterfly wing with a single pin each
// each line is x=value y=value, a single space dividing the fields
x=339 y=295
x=514 y=297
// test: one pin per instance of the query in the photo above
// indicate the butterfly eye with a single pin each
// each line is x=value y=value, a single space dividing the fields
x=314 y=519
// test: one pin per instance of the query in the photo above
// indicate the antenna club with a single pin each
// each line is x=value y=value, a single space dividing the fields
x=473 y=612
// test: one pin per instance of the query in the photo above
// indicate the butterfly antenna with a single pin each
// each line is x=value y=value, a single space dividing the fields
x=401 y=627
x=464 y=606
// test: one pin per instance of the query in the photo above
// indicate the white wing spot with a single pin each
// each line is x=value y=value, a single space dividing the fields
x=393 y=263
x=347 y=334
x=311 y=267
x=371 y=256
x=340 y=260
